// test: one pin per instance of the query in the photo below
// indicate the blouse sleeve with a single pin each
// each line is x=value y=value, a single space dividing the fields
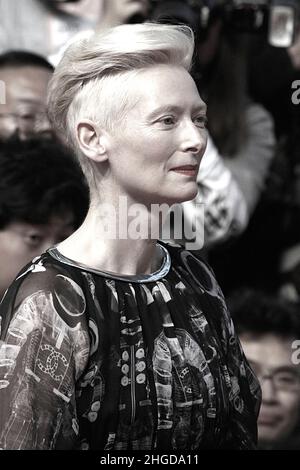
x=243 y=393
x=42 y=353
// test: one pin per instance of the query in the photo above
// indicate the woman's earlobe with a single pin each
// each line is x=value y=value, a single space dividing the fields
x=102 y=148
x=91 y=141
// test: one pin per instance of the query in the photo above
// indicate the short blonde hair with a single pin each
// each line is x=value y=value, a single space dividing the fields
x=85 y=82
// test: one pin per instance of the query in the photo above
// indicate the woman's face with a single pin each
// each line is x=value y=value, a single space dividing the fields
x=155 y=151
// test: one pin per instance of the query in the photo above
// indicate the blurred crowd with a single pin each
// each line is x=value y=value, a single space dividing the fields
x=249 y=179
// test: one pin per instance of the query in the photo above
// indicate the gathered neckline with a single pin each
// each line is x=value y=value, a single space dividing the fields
x=160 y=273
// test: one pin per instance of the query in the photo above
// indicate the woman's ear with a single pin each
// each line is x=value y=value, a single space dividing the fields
x=92 y=140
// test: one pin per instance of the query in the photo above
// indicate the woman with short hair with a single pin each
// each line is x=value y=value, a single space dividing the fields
x=118 y=341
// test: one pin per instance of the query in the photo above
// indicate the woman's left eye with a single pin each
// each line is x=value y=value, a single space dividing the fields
x=200 y=121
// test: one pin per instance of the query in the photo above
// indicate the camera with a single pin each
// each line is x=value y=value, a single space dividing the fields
x=278 y=19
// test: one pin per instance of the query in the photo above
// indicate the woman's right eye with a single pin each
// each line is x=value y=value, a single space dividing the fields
x=168 y=120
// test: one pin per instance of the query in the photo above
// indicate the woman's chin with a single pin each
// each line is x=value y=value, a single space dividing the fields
x=175 y=197
x=187 y=195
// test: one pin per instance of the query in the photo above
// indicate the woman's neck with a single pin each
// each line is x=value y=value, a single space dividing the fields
x=119 y=238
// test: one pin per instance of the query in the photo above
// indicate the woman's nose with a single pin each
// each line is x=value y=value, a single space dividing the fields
x=194 y=138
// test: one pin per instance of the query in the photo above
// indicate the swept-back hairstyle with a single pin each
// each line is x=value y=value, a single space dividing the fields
x=89 y=81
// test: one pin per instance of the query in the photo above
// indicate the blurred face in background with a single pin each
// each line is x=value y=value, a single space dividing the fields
x=23 y=108
x=85 y=9
x=21 y=241
x=270 y=357
x=124 y=9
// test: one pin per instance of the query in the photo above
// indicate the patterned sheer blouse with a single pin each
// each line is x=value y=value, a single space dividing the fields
x=92 y=360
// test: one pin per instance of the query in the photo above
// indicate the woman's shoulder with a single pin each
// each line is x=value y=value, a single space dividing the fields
x=44 y=309
x=43 y=287
x=45 y=273
x=204 y=290
x=179 y=253
x=194 y=264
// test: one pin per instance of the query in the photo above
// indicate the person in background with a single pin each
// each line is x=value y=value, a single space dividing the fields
x=243 y=134
x=113 y=13
x=219 y=212
x=273 y=234
x=43 y=199
x=242 y=140
x=220 y=207
x=24 y=80
x=269 y=331
x=117 y=12
x=125 y=342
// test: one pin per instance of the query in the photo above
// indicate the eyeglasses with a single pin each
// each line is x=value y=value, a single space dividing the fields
x=31 y=121
x=28 y=116
x=286 y=380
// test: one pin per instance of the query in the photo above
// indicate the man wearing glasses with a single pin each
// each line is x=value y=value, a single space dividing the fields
x=269 y=330
x=24 y=78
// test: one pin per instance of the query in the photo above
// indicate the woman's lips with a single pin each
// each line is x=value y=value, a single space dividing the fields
x=188 y=170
